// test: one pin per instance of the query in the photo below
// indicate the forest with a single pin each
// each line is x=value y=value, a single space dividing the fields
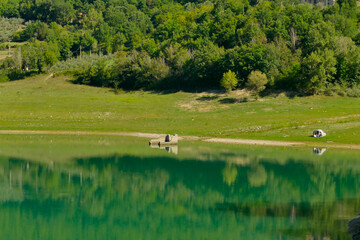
x=186 y=45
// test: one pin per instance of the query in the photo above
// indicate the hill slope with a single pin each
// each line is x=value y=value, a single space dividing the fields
x=46 y=103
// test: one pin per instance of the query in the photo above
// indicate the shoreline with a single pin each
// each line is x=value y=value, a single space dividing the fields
x=187 y=138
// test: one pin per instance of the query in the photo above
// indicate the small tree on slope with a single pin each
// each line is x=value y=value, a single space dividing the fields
x=229 y=81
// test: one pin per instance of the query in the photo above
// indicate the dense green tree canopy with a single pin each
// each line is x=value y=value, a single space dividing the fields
x=191 y=44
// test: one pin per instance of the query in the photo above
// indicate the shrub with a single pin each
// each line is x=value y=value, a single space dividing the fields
x=256 y=81
x=353 y=92
x=79 y=63
x=4 y=78
x=229 y=81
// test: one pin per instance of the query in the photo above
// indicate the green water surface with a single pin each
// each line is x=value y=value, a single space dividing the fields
x=93 y=187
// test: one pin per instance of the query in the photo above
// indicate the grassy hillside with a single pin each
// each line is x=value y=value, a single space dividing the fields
x=46 y=103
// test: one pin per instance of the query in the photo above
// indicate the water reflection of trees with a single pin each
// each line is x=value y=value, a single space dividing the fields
x=250 y=198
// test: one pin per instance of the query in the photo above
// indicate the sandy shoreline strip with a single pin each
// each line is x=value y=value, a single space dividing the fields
x=55 y=132
x=253 y=142
x=185 y=138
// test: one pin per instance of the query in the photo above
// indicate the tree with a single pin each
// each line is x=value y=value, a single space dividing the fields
x=320 y=36
x=281 y=62
x=59 y=11
x=147 y=71
x=204 y=69
x=344 y=25
x=224 y=28
x=8 y=26
x=348 y=7
x=104 y=34
x=250 y=32
x=348 y=61
x=242 y=60
x=92 y=19
x=318 y=70
x=37 y=30
x=229 y=81
x=38 y=55
x=256 y=81
x=9 y=8
x=88 y=42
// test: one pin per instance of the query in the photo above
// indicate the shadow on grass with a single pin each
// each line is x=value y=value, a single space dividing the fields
x=277 y=93
x=207 y=98
x=191 y=90
x=234 y=100
x=19 y=75
x=165 y=89
x=293 y=94
x=228 y=100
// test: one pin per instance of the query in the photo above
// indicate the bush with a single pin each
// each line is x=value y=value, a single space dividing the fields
x=353 y=92
x=256 y=81
x=4 y=78
x=229 y=81
x=79 y=63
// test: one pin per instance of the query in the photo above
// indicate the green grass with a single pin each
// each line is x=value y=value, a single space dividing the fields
x=44 y=103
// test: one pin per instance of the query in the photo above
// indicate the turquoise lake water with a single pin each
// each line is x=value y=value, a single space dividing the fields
x=73 y=187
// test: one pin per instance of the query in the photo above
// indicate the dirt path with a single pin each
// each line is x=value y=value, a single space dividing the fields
x=254 y=142
x=54 y=132
x=184 y=138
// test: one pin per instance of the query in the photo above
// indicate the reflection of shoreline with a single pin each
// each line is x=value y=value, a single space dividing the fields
x=119 y=188
x=240 y=141
x=354 y=228
x=170 y=149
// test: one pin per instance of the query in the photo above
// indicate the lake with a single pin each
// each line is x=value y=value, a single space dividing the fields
x=98 y=187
